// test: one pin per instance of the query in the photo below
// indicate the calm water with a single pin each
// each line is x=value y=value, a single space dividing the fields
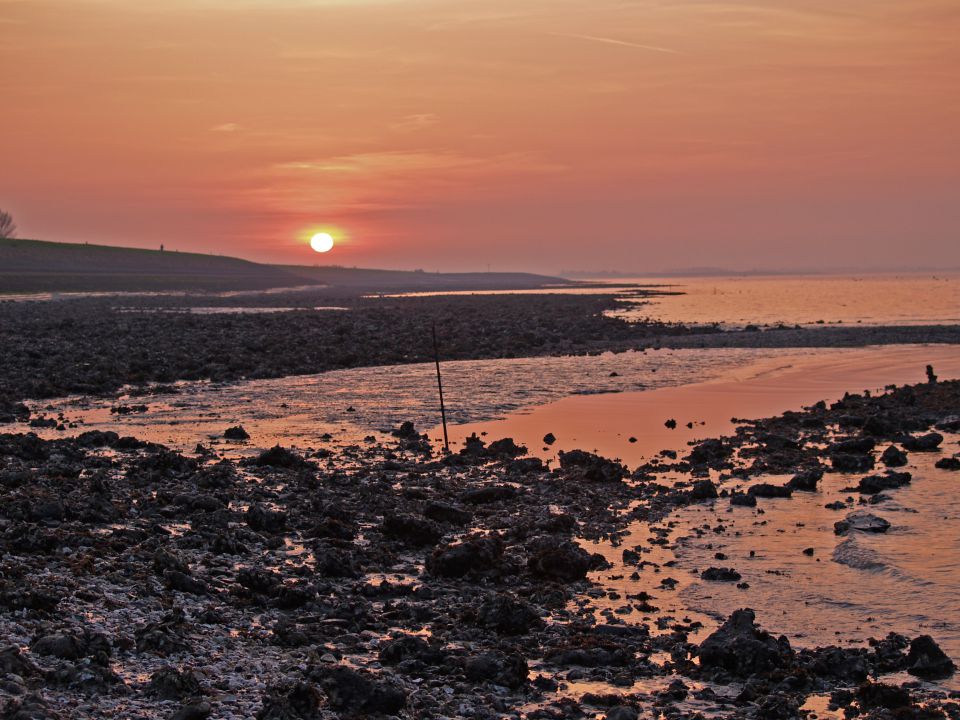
x=804 y=300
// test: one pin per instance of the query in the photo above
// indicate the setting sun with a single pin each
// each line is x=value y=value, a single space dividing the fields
x=322 y=242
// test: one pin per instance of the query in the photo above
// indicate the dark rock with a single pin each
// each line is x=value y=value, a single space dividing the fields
x=196 y=710
x=622 y=712
x=923 y=443
x=475 y=554
x=265 y=520
x=549 y=439
x=893 y=457
x=508 y=615
x=175 y=580
x=564 y=562
x=488 y=494
x=296 y=701
x=410 y=529
x=873 y=484
x=715 y=574
x=853 y=446
x=359 y=694
x=768 y=490
x=410 y=647
x=709 y=451
x=592 y=468
x=442 y=512
x=847 y=463
x=948 y=463
x=237 y=432
x=880 y=695
x=280 y=457
x=926 y=660
x=496 y=667
x=743 y=499
x=861 y=521
x=806 y=480
x=168 y=683
x=704 y=490
x=60 y=645
x=741 y=648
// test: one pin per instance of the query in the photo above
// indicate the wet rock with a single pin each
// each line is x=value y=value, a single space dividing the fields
x=526 y=466
x=873 y=484
x=743 y=499
x=406 y=431
x=442 y=512
x=237 y=432
x=847 y=665
x=410 y=647
x=709 y=451
x=355 y=693
x=280 y=457
x=505 y=448
x=411 y=530
x=926 y=660
x=862 y=522
x=290 y=701
x=197 y=710
x=169 y=683
x=950 y=423
x=549 y=439
x=741 y=648
x=704 y=490
x=176 y=580
x=852 y=446
x=923 y=443
x=508 y=615
x=715 y=574
x=265 y=520
x=881 y=695
x=847 y=463
x=893 y=457
x=476 y=554
x=565 y=562
x=948 y=463
x=590 y=467
x=488 y=494
x=498 y=668
x=768 y=490
x=806 y=480
x=622 y=712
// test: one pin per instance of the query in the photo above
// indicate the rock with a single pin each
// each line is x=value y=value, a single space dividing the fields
x=715 y=574
x=806 y=480
x=926 y=660
x=704 y=490
x=442 y=512
x=592 y=468
x=853 y=446
x=743 y=499
x=265 y=520
x=507 y=615
x=847 y=463
x=948 y=463
x=768 y=490
x=893 y=457
x=565 y=562
x=292 y=701
x=406 y=431
x=923 y=443
x=355 y=693
x=59 y=645
x=951 y=423
x=280 y=457
x=622 y=712
x=498 y=668
x=237 y=432
x=475 y=554
x=169 y=683
x=741 y=648
x=670 y=424
x=488 y=494
x=549 y=439
x=861 y=521
x=411 y=530
x=198 y=710
x=880 y=695
x=709 y=451
x=175 y=580
x=873 y=484
x=410 y=647
x=505 y=448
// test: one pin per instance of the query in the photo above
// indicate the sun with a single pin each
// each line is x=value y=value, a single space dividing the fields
x=322 y=242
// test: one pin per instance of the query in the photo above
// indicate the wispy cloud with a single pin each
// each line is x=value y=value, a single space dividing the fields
x=615 y=41
x=412 y=123
x=225 y=128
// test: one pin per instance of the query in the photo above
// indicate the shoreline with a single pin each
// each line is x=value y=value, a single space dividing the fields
x=376 y=579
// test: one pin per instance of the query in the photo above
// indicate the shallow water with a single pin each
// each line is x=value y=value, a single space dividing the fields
x=913 y=299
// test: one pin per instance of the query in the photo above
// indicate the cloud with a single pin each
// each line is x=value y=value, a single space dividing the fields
x=225 y=128
x=614 y=41
x=412 y=123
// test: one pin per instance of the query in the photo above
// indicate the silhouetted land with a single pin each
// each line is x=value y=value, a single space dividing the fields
x=39 y=266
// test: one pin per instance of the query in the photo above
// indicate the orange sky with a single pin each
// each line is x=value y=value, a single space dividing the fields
x=524 y=134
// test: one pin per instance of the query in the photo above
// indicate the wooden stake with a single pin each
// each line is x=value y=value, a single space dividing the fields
x=443 y=409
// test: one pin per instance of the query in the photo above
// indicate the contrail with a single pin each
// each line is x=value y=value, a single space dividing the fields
x=614 y=41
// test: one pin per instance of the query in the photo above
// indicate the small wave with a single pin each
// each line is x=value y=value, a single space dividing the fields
x=856 y=556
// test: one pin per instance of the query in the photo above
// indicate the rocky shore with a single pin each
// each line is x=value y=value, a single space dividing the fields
x=386 y=579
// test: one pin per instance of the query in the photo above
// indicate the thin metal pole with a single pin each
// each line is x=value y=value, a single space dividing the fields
x=443 y=409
